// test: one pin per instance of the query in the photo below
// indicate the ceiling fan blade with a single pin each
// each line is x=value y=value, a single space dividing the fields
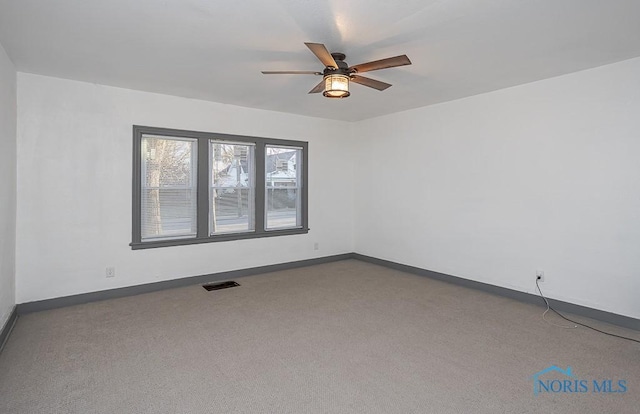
x=318 y=88
x=323 y=54
x=372 y=83
x=382 y=64
x=291 y=72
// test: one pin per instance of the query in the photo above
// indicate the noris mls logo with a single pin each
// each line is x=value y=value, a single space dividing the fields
x=555 y=380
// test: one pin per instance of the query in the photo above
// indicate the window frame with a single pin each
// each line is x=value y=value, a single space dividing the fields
x=204 y=182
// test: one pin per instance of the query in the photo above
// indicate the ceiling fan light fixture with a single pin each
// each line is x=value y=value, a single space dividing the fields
x=336 y=86
x=337 y=73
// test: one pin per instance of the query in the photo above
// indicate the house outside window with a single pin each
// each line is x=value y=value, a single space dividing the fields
x=196 y=187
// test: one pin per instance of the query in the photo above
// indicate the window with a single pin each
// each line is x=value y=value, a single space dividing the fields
x=232 y=192
x=168 y=193
x=196 y=187
x=282 y=187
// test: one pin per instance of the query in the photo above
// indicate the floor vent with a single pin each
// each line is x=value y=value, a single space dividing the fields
x=221 y=285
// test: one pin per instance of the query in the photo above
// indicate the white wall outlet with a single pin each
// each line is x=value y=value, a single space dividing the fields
x=540 y=275
x=316 y=246
x=110 y=272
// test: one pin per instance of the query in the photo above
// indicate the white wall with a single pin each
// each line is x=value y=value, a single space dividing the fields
x=7 y=185
x=74 y=187
x=489 y=188
x=493 y=187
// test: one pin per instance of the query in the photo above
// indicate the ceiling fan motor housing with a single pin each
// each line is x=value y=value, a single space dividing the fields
x=343 y=67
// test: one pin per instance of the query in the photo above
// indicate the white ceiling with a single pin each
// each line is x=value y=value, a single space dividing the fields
x=215 y=50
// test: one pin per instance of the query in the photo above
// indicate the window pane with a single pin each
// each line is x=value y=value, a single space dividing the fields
x=283 y=195
x=232 y=187
x=168 y=197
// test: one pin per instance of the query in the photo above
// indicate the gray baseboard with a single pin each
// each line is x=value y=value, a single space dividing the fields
x=561 y=306
x=613 y=318
x=54 y=303
x=8 y=327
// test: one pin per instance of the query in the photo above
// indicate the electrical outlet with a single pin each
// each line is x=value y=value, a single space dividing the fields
x=111 y=272
x=540 y=275
x=316 y=246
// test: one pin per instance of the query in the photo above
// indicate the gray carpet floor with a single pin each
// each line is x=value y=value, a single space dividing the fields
x=344 y=337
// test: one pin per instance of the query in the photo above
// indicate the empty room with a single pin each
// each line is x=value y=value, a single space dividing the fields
x=295 y=206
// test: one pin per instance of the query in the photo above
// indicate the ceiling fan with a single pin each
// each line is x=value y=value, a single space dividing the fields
x=337 y=73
